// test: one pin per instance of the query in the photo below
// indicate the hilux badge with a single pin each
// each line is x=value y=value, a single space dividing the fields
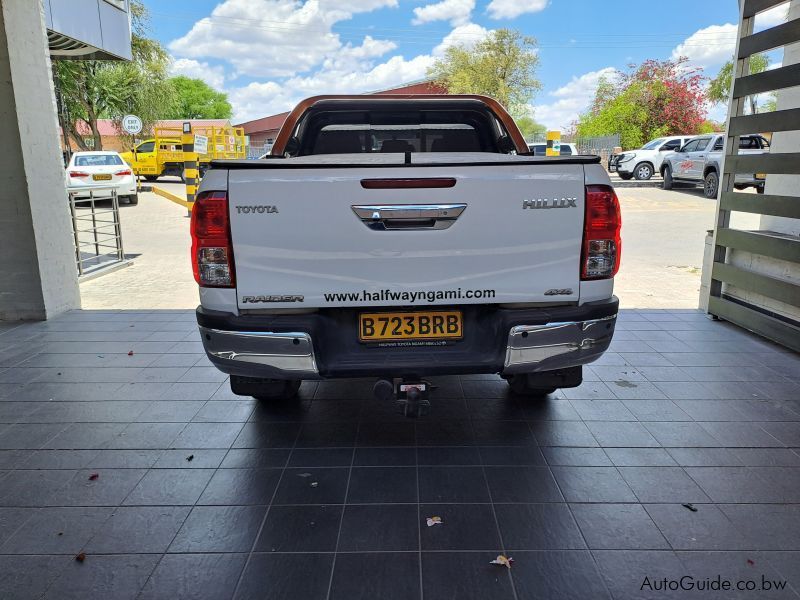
x=539 y=203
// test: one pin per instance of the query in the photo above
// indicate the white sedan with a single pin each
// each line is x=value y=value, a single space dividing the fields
x=101 y=169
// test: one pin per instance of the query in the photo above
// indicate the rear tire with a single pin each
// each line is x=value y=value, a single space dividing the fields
x=625 y=176
x=759 y=189
x=643 y=171
x=710 y=185
x=132 y=200
x=265 y=390
x=151 y=178
x=667 y=174
x=521 y=386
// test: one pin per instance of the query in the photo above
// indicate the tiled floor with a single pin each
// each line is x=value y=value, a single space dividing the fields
x=201 y=494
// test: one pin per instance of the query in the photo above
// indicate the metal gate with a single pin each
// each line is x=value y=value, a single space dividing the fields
x=96 y=230
x=754 y=274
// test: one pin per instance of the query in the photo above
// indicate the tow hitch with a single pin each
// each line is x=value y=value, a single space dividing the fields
x=411 y=396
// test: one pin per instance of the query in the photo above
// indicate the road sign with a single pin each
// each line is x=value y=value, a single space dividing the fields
x=132 y=124
x=201 y=144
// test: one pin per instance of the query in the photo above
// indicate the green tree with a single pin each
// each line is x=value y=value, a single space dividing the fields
x=195 y=99
x=719 y=89
x=97 y=89
x=502 y=66
x=530 y=128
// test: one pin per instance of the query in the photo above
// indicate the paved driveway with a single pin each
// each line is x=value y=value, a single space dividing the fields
x=120 y=445
x=663 y=238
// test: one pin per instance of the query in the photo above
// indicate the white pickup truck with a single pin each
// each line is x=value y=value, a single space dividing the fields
x=402 y=237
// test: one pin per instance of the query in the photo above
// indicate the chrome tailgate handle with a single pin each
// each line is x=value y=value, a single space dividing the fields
x=408 y=217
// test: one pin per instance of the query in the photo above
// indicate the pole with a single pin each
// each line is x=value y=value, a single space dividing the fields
x=191 y=175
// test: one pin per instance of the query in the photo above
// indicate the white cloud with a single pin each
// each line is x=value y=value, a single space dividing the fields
x=213 y=76
x=710 y=46
x=511 y=9
x=271 y=38
x=464 y=35
x=774 y=16
x=571 y=99
x=455 y=11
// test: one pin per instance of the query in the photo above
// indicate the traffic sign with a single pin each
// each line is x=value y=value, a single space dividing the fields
x=132 y=124
x=201 y=144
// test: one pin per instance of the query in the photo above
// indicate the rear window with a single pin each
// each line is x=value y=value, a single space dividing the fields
x=381 y=131
x=98 y=160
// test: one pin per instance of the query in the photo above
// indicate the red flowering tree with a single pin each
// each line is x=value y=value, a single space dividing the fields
x=653 y=99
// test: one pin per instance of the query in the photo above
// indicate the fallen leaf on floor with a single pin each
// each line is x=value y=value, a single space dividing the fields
x=750 y=562
x=130 y=352
x=314 y=484
x=190 y=458
x=690 y=506
x=304 y=475
x=60 y=533
x=94 y=476
x=434 y=521
x=80 y=557
x=502 y=559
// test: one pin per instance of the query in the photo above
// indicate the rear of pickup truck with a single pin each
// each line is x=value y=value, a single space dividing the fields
x=405 y=264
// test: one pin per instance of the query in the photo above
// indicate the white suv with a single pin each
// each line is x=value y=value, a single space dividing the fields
x=646 y=161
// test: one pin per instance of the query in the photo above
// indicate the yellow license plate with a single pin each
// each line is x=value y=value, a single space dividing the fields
x=388 y=326
x=761 y=175
x=102 y=177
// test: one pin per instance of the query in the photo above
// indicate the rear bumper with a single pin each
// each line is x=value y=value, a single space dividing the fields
x=324 y=344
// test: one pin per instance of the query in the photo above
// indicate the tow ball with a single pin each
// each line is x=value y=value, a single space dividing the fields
x=411 y=396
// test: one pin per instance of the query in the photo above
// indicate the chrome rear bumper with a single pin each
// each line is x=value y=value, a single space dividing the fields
x=533 y=348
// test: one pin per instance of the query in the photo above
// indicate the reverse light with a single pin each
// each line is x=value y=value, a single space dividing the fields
x=602 y=244
x=212 y=251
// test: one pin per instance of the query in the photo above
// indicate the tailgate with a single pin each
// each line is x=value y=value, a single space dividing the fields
x=317 y=237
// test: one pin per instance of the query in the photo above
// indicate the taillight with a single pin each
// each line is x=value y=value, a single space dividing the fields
x=212 y=251
x=78 y=174
x=123 y=172
x=602 y=245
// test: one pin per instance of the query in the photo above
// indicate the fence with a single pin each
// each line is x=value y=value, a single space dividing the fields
x=602 y=146
x=96 y=229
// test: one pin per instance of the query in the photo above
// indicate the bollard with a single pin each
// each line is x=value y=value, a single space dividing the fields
x=191 y=175
x=553 y=143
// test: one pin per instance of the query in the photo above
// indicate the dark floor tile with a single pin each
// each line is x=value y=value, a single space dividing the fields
x=452 y=484
x=33 y=488
x=100 y=577
x=219 y=529
x=388 y=527
x=735 y=484
x=300 y=529
x=56 y=531
x=464 y=576
x=138 y=530
x=448 y=455
x=495 y=409
x=170 y=486
x=602 y=410
x=618 y=527
x=445 y=433
x=550 y=409
x=538 y=527
x=298 y=486
x=194 y=577
x=576 y=457
x=640 y=457
x=621 y=434
x=557 y=575
x=27 y=577
x=706 y=529
x=563 y=433
x=386 y=576
x=463 y=527
x=767 y=457
x=681 y=435
x=385 y=457
x=592 y=484
x=255 y=458
x=512 y=455
x=321 y=457
x=207 y=435
x=145 y=436
x=286 y=576
x=222 y=411
x=734 y=566
x=656 y=410
x=194 y=458
x=124 y=459
x=316 y=435
x=705 y=457
x=382 y=484
x=386 y=434
x=88 y=436
x=767 y=526
x=748 y=435
x=522 y=484
x=787 y=564
x=636 y=574
x=241 y=486
x=662 y=484
x=12 y=519
x=109 y=488
x=503 y=433
x=22 y=436
x=267 y=435
x=171 y=411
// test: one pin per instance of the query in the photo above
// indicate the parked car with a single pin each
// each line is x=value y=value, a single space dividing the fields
x=699 y=161
x=646 y=161
x=567 y=149
x=401 y=238
x=101 y=169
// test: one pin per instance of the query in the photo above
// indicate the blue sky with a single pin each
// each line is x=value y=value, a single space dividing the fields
x=268 y=54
